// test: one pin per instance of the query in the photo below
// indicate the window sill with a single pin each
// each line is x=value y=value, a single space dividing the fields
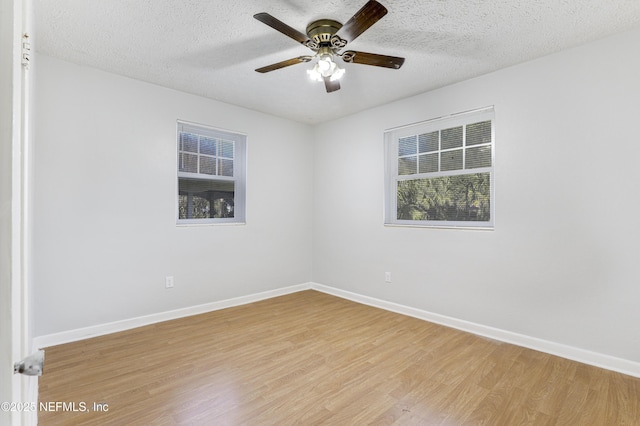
x=195 y=224
x=459 y=228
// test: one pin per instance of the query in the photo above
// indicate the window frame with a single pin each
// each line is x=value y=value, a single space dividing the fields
x=392 y=176
x=238 y=178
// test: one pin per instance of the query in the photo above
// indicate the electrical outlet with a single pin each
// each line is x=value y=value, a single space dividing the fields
x=387 y=277
x=168 y=282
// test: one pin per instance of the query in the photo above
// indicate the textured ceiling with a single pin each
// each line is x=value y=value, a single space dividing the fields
x=211 y=47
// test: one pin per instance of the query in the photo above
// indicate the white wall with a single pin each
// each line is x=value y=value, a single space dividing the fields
x=104 y=198
x=561 y=264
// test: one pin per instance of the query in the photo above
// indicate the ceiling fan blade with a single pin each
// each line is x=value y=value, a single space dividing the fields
x=373 y=59
x=286 y=63
x=278 y=25
x=331 y=86
x=363 y=19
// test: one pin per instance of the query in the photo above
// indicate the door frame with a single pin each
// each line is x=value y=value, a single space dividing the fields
x=15 y=216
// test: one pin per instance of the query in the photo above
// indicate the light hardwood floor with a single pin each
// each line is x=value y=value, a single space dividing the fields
x=310 y=358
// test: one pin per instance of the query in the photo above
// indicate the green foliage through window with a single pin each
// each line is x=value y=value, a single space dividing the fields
x=448 y=198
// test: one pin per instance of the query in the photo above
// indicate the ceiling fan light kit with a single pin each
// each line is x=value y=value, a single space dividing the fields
x=326 y=37
x=326 y=67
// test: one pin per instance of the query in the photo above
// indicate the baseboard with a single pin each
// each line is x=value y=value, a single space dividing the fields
x=114 y=327
x=608 y=362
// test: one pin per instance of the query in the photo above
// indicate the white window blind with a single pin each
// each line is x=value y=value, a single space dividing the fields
x=211 y=175
x=440 y=172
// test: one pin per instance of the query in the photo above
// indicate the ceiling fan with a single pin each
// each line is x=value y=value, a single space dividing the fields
x=326 y=38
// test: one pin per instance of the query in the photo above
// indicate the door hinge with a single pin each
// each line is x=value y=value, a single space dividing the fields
x=33 y=365
x=26 y=51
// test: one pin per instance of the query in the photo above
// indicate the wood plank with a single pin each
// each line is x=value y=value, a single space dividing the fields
x=312 y=358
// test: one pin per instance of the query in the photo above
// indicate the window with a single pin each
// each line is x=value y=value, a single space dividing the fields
x=211 y=175
x=440 y=172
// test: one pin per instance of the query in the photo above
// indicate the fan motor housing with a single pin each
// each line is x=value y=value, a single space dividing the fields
x=322 y=30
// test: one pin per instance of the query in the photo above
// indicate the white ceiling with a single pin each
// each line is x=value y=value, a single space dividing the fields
x=211 y=47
